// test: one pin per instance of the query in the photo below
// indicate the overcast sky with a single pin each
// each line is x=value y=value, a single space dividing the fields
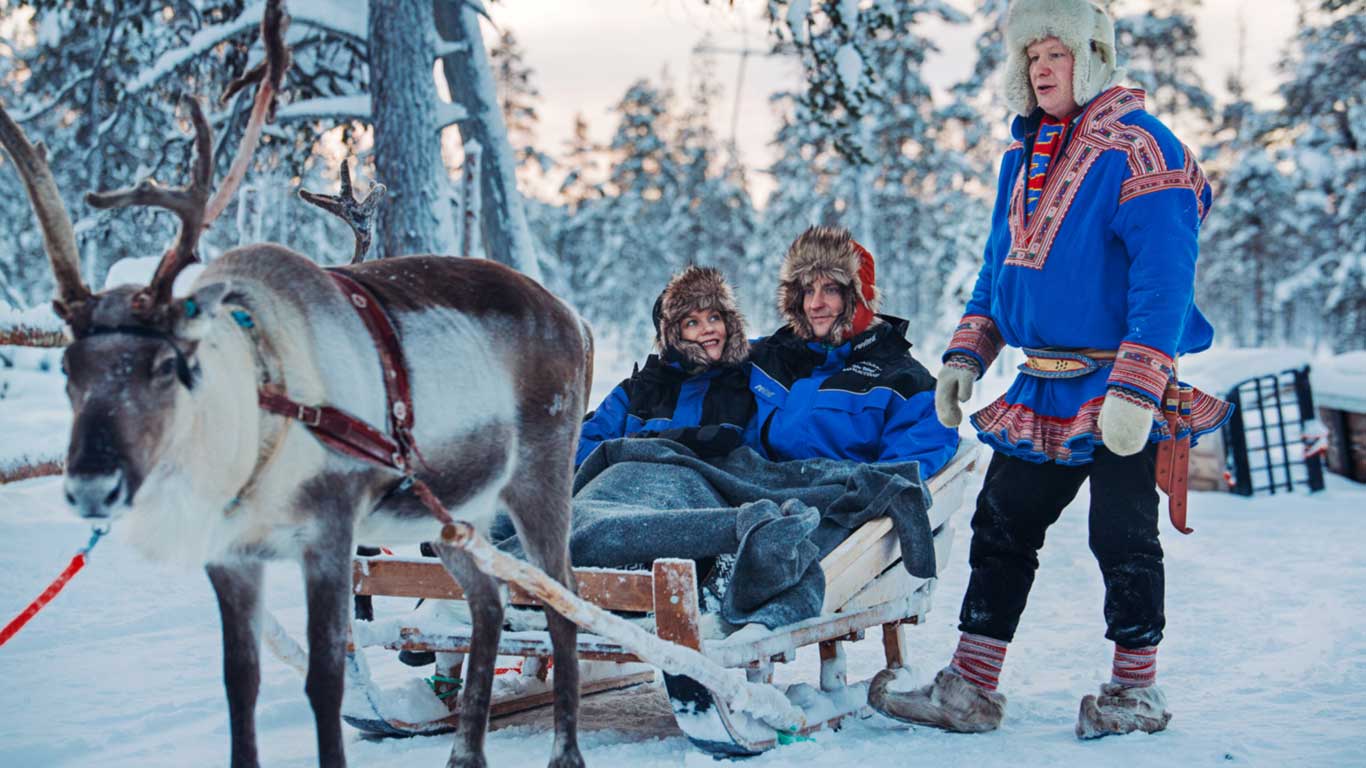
x=586 y=52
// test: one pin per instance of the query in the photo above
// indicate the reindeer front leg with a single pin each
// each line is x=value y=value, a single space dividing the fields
x=238 y=587
x=327 y=580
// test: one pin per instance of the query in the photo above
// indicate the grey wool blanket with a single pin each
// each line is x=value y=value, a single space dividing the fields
x=636 y=500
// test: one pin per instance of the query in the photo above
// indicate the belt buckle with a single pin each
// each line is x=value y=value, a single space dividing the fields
x=304 y=413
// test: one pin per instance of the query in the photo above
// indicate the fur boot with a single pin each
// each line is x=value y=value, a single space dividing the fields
x=950 y=702
x=1122 y=709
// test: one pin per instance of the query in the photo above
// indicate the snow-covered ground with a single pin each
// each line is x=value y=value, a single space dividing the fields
x=1264 y=662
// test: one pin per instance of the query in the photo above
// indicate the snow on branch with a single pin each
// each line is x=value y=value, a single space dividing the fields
x=354 y=107
x=449 y=47
x=343 y=18
x=449 y=114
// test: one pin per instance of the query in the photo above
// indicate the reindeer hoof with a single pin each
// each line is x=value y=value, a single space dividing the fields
x=569 y=758
x=467 y=761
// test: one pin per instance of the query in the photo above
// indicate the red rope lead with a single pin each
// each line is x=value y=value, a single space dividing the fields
x=77 y=563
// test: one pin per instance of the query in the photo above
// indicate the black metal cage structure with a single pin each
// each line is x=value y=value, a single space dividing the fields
x=1267 y=436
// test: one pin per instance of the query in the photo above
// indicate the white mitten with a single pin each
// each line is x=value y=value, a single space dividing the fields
x=954 y=387
x=1125 y=424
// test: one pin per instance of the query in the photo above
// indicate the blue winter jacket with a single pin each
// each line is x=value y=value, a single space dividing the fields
x=866 y=400
x=707 y=411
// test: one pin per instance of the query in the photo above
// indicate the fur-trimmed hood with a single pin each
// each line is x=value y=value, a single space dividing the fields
x=833 y=253
x=700 y=288
x=1082 y=26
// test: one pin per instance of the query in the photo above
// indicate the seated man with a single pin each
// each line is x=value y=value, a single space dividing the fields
x=838 y=381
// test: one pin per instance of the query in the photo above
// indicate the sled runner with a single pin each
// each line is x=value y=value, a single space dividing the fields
x=866 y=587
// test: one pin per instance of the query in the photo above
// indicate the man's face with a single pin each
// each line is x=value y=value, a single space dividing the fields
x=823 y=302
x=1050 y=75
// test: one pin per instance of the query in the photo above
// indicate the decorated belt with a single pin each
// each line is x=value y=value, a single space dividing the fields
x=1065 y=363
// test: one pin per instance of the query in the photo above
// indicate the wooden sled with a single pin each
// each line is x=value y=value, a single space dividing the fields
x=866 y=587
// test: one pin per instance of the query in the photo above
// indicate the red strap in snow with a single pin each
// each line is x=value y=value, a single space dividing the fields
x=77 y=563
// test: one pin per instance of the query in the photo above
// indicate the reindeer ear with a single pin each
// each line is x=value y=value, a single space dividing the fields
x=195 y=313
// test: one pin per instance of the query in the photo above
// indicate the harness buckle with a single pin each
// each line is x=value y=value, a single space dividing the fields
x=310 y=416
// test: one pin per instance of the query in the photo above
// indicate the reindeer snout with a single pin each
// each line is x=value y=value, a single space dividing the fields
x=96 y=495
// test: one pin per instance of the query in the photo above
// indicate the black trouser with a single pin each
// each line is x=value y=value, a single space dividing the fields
x=1019 y=500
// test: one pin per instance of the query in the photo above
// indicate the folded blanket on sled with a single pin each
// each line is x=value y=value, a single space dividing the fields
x=637 y=500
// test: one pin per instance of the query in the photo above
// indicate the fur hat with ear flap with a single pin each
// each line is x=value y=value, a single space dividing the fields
x=1082 y=26
x=703 y=288
x=829 y=252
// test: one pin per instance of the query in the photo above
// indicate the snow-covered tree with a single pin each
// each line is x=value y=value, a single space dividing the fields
x=1160 y=47
x=908 y=193
x=518 y=95
x=711 y=218
x=1325 y=109
x=416 y=216
x=99 y=84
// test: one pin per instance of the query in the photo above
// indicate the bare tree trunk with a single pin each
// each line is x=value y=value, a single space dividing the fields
x=407 y=146
x=507 y=238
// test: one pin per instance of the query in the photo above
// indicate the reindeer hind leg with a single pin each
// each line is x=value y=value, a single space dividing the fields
x=486 y=608
x=540 y=508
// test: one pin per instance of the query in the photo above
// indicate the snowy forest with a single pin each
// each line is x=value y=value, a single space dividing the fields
x=864 y=142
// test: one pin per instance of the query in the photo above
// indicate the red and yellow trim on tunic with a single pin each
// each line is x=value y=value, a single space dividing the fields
x=1143 y=370
x=1019 y=431
x=976 y=336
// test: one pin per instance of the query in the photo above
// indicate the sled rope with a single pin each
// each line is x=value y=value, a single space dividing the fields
x=434 y=679
x=77 y=563
x=282 y=645
x=762 y=701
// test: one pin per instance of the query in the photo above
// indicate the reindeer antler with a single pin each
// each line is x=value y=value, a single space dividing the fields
x=358 y=214
x=268 y=75
x=59 y=236
x=191 y=203
x=186 y=202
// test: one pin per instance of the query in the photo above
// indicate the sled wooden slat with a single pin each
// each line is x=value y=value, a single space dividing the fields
x=675 y=602
x=400 y=577
x=732 y=653
x=591 y=647
x=866 y=587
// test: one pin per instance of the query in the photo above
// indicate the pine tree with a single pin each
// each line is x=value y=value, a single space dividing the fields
x=617 y=244
x=906 y=193
x=712 y=218
x=1160 y=48
x=86 y=78
x=517 y=95
x=1325 y=109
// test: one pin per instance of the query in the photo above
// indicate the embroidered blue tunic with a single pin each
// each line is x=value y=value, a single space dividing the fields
x=1105 y=262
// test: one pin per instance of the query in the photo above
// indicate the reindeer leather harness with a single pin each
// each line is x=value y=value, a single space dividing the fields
x=351 y=436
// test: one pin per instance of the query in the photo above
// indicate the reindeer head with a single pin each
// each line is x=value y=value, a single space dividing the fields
x=133 y=373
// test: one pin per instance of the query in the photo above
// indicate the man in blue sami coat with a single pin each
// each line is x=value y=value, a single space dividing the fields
x=1090 y=268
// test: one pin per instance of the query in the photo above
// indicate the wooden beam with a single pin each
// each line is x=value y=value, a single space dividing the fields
x=403 y=577
x=677 y=618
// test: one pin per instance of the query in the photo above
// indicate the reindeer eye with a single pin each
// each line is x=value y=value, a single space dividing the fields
x=165 y=368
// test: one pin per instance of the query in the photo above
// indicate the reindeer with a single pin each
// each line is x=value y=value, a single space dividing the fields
x=201 y=424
